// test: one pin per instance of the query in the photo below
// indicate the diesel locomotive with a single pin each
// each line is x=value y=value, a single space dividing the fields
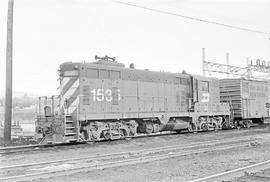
x=104 y=100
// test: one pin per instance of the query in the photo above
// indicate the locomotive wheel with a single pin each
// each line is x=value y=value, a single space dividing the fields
x=106 y=134
x=204 y=127
x=84 y=135
x=149 y=128
x=247 y=124
x=190 y=128
x=93 y=133
x=155 y=128
x=215 y=126
x=132 y=131
x=123 y=133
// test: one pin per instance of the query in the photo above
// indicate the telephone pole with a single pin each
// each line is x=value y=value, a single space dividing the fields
x=228 y=64
x=203 y=61
x=8 y=99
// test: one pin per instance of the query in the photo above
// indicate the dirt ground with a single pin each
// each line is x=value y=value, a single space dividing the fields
x=18 y=142
x=175 y=169
x=260 y=176
x=122 y=145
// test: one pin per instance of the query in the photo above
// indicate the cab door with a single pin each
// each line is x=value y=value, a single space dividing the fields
x=195 y=89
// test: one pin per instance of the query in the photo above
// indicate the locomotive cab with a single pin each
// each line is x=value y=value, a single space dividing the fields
x=211 y=113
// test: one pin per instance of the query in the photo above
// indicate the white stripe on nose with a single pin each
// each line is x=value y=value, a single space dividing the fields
x=73 y=106
x=70 y=92
x=64 y=82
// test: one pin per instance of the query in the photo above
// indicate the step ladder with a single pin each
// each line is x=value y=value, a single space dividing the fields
x=70 y=133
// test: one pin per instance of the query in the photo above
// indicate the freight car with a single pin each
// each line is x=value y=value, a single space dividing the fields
x=249 y=100
x=105 y=100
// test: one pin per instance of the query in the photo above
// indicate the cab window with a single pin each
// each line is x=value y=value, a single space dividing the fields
x=205 y=86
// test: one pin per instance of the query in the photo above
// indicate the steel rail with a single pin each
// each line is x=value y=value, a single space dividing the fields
x=155 y=155
x=194 y=144
x=26 y=148
x=228 y=175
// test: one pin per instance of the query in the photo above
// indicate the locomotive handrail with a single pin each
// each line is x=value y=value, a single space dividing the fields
x=51 y=102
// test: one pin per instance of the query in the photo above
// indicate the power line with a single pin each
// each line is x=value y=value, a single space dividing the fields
x=194 y=18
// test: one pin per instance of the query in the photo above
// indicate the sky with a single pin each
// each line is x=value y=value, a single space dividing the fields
x=49 y=32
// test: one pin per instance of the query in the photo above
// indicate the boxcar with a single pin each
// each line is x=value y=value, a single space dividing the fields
x=249 y=99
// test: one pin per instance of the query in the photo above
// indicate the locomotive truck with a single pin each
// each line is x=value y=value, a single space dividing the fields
x=104 y=100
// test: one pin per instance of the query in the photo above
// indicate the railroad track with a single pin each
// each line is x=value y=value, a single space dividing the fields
x=70 y=166
x=234 y=173
x=27 y=148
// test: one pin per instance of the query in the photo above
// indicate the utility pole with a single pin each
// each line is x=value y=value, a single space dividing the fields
x=8 y=99
x=203 y=61
x=249 y=62
x=228 y=64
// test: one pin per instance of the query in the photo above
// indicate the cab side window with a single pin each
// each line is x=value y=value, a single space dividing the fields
x=205 y=86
